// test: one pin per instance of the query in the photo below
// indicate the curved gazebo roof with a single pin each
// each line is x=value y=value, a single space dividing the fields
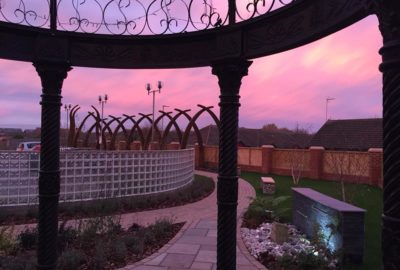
x=287 y=27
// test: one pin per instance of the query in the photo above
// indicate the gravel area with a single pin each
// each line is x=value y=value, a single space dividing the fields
x=259 y=241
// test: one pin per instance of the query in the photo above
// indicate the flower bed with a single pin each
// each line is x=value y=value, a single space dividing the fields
x=94 y=244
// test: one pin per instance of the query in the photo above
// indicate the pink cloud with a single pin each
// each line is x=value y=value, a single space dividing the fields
x=285 y=88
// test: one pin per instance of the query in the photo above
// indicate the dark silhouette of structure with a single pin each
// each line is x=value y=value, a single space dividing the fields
x=54 y=39
x=128 y=128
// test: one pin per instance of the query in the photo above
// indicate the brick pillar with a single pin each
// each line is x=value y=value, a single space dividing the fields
x=121 y=145
x=316 y=162
x=154 y=146
x=266 y=152
x=375 y=166
x=136 y=145
x=173 y=146
x=197 y=158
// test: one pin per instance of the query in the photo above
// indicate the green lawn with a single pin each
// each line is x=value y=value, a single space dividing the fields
x=364 y=196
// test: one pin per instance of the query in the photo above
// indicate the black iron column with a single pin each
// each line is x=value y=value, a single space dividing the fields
x=389 y=24
x=53 y=15
x=52 y=76
x=230 y=74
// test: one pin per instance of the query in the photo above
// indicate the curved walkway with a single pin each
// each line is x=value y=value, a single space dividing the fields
x=194 y=247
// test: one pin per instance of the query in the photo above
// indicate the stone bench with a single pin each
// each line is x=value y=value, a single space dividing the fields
x=341 y=225
x=268 y=185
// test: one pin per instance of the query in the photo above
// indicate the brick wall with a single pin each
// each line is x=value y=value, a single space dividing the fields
x=315 y=163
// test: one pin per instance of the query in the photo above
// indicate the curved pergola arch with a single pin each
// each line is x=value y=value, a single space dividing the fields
x=148 y=136
x=165 y=132
x=176 y=126
x=116 y=130
x=143 y=140
x=183 y=143
x=132 y=131
x=72 y=125
x=192 y=124
x=107 y=127
x=79 y=131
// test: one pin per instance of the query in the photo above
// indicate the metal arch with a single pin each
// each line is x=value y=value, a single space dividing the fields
x=121 y=125
x=172 y=121
x=89 y=132
x=71 y=132
x=148 y=136
x=192 y=123
x=98 y=127
x=159 y=118
x=212 y=114
x=196 y=130
x=78 y=132
x=108 y=128
x=136 y=126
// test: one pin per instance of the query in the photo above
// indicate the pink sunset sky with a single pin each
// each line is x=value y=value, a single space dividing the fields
x=285 y=89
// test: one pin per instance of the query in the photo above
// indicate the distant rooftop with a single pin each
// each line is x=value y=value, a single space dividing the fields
x=350 y=134
x=257 y=137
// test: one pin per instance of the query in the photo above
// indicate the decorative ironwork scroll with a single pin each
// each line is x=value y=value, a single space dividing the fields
x=133 y=17
x=31 y=13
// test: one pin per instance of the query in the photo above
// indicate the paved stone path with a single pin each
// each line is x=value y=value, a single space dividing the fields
x=194 y=247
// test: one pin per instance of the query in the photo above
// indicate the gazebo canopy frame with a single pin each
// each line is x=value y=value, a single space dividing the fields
x=226 y=49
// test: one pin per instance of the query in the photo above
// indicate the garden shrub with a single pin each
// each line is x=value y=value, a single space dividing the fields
x=27 y=239
x=13 y=263
x=147 y=236
x=264 y=209
x=300 y=261
x=7 y=242
x=100 y=255
x=66 y=235
x=134 y=244
x=162 y=228
x=134 y=227
x=118 y=250
x=71 y=259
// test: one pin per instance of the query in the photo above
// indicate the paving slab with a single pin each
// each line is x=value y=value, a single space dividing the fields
x=184 y=248
x=206 y=256
x=194 y=247
x=178 y=260
x=196 y=232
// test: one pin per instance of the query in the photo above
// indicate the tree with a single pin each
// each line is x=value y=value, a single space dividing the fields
x=343 y=164
x=270 y=127
x=297 y=157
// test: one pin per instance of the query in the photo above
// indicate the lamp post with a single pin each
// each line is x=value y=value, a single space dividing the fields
x=162 y=119
x=326 y=107
x=102 y=101
x=67 y=108
x=149 y=90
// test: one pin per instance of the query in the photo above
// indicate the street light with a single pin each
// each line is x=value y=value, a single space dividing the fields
x=67 y=108
x=162 y=119
x=148 y=88
x=102 y=101
x=326 y=107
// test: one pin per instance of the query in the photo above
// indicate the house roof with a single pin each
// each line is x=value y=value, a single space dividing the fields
x=257 y=137
x=350 y=134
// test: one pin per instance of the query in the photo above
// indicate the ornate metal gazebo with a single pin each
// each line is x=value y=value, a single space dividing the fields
x=56 y=35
